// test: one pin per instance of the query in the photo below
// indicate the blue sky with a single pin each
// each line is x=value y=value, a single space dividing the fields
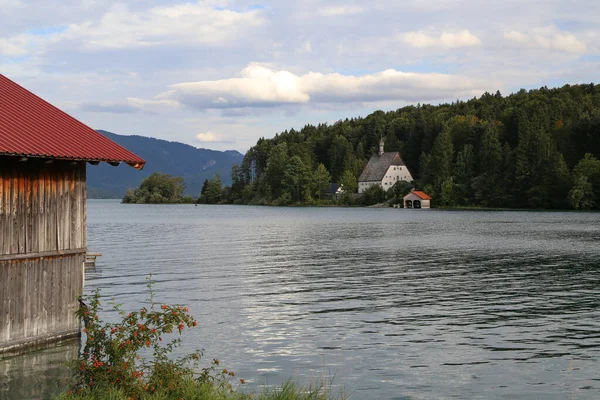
x=222 y=73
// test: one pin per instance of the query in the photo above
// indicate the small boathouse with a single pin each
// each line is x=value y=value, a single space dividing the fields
x=417 y=199
x=43 y=156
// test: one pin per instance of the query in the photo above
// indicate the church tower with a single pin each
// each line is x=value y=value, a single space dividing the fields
x=381 y=147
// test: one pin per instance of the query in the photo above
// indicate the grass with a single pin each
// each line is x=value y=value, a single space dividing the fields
x=194 y=390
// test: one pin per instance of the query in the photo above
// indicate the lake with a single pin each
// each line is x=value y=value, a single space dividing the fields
x=386 y=303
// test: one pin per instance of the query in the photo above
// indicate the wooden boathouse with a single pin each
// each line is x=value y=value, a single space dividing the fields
x=43 y=156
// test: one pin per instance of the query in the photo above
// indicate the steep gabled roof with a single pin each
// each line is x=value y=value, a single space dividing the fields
x=333 y=188
x=422 y=195
x=378 y=166
x=32 y=127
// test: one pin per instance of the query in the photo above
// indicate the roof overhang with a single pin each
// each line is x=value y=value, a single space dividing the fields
x=32 y=127
x=139 y=165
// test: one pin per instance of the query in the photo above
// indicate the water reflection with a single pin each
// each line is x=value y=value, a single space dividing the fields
x=397 y=304
x=38 y=373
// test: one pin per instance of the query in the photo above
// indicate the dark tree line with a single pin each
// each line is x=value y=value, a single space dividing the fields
x=532 y=149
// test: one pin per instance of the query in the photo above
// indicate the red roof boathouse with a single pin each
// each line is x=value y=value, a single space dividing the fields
x=43 y=156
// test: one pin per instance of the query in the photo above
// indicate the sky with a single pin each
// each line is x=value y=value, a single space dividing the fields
x=220 y=74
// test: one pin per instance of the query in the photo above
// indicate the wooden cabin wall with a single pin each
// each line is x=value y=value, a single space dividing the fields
x=38 y=298
x=42 y=206
x=42 y=248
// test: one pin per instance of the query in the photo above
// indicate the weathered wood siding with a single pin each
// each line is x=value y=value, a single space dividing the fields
x=42 y=248
x=39 y=298
x=42 y=206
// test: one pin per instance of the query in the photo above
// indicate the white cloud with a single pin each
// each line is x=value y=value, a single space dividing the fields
x=257 y=86
x=450 y=40
x=212 y=137
x=306 y=48
x=418 y=39
x=14 y=46
x=463 y=38
x=155 y=105
x=340 y=10
x=386 y=85
x=189 y=23
x=109 y=107
x=517 y=37
x=549 y=38
x=262 y=86
x=7 y=4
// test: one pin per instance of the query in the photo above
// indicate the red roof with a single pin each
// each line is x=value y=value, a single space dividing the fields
x=422 y=195
x=32 y=127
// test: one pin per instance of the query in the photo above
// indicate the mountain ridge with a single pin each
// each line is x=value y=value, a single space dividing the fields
x=175 y=158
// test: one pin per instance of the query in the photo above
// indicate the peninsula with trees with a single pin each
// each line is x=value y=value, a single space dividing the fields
x=536 y=149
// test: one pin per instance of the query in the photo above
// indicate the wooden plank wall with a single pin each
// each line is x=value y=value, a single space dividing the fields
x=42 y=206
x=42 y=247
x=38 y=297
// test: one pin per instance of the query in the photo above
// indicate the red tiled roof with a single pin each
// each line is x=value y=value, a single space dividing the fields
x=422 y=195
x=32 y=127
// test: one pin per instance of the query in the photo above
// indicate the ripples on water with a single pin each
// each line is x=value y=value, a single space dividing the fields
x=397 y=304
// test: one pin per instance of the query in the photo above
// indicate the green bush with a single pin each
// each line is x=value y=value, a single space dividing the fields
x=157 y=189
x=112 y=356
x=112 y=365
x=373 y=195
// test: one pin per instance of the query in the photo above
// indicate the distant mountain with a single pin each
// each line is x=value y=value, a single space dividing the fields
x=178 y=159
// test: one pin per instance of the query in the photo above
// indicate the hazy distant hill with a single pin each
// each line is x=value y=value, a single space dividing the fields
x=193 y=164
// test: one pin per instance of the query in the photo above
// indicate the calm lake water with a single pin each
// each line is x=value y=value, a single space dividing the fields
x=396 y=304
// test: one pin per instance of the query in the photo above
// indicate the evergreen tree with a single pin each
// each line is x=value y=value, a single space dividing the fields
x=426 y=177
x=204 y=186
x=360 y=151
x=447 y=193
x=487 y=185
x=440 y=163
x=340 y=154
x=321 y=181
x=294 y=178
x=585 y=191
x=348 y=182
x=464 y=172
x=212 y=195
x=581 y=195
x=237 y=183
x=275 y=169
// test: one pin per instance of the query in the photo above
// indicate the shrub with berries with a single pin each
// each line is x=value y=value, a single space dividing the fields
x=113 y=356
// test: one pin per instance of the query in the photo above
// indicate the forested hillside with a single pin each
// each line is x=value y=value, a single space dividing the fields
x=532 y=149
x=194 y=165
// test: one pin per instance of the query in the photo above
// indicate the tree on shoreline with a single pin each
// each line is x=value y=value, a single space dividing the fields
x=158 y=189
x=212 y=194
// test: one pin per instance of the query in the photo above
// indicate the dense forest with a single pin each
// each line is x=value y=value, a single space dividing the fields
x=532 y=149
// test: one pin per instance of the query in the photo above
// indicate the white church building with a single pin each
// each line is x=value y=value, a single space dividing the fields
x=383 y=169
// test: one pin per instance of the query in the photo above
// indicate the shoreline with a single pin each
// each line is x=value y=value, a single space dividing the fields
x=453 y=208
